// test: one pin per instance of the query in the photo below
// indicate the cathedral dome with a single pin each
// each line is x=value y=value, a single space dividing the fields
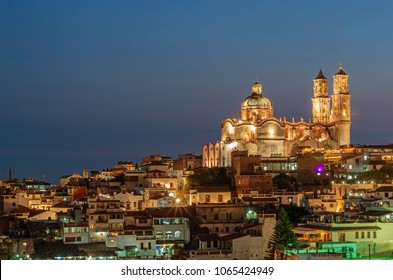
x=257 y=101
x=256 y=106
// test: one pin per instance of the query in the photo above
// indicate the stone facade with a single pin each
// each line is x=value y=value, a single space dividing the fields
x=259 y=133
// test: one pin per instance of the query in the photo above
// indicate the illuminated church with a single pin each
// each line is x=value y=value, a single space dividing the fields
x=260 y=133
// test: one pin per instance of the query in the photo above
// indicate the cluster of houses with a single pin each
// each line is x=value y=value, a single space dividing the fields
x=152 y=211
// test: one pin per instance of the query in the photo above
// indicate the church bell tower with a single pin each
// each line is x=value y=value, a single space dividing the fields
x=341 y=107
x=321 y=100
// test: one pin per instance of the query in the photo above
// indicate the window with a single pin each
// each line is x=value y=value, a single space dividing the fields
x=207 y=198
x=368 y=234
x=69 y=239
x=149 y=245
x=159 y=235
x=215 y=216
x=178 y=234
x=374 y=234
x=168 y=234
x=290 y=200
x=362 y=234
x=357 y=235
x=220 y=198
x=141 y=245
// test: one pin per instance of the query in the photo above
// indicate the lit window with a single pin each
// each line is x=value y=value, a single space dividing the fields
x=178 y=234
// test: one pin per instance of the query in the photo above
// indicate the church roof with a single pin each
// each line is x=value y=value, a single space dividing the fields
x=340 y=71
x=320 y=76
x=257 y=101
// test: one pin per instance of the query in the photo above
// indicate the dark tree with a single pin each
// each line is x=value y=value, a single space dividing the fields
x=283 y=181
x=208 y=176
x=282 y=239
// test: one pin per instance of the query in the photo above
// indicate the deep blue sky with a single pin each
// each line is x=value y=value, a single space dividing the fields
x=89 y=83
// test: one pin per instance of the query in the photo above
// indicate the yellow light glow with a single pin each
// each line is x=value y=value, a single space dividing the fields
x=253 y=128
x=271 y=131
x=232 y=145
x=230 y=129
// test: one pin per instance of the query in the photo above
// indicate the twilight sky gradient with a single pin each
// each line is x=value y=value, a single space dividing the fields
x=89 y=83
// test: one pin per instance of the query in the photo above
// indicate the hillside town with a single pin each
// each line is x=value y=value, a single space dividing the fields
x=340 y=203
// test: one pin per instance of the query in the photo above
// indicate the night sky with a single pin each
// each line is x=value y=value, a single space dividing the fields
x=89 y=83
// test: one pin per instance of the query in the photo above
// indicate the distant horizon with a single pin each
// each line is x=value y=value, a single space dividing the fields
x=87 y=84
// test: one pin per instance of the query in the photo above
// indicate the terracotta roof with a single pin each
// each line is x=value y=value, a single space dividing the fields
x=207 y=236
x=384 y=189
x=232 y=236
x=172 y=212
x=330 y=228
x=224 y=188
x=62 y=205
x=272 y=199
x=133 y=227
x=375 y=213
x=137 y=214
x=250 y=226
x=118 y=211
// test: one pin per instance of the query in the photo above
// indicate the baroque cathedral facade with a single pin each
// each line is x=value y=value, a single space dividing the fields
x=259 y=133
